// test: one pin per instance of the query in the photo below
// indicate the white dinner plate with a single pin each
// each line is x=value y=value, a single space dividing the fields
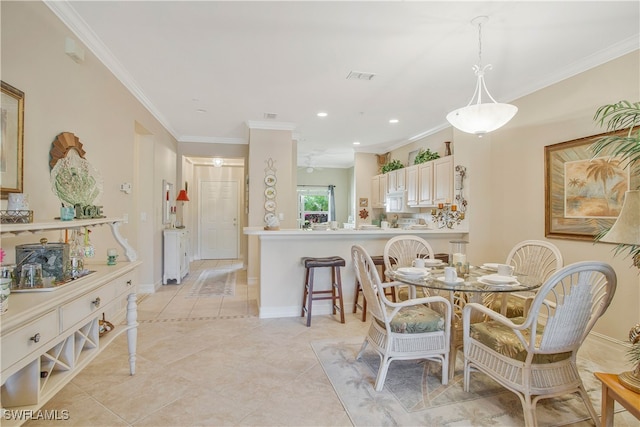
x=496 y=279
x=484 y=282
x=413 y=271
x=433 y=263
x=458 y=280
x=490 y=266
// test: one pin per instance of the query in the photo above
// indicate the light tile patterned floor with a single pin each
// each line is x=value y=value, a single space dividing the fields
x=213 y=362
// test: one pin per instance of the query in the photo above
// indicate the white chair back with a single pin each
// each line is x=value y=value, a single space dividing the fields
x=568 y=304
x=400 y=251
x=367 y=275
x=535 y=258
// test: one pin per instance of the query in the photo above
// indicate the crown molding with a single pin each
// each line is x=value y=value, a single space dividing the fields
x=213 y=140
x=253 y=124
x=598 y=58
x=68 y=15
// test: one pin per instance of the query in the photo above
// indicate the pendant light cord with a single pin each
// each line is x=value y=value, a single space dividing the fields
x=479 y=45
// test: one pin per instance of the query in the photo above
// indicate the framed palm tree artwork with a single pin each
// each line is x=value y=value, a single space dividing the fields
x=583 y=192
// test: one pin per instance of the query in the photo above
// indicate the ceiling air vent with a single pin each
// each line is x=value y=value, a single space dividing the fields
x=359 y=75
x=270 y=115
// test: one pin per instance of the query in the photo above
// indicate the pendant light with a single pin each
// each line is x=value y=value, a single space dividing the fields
x=479 y=118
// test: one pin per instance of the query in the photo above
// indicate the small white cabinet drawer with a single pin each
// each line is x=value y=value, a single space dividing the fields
x=84 y=306
x=125 y=285
x=28 y=338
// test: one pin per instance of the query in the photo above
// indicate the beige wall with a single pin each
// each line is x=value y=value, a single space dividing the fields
x=278 y=146
x=87 y=100
x=505 y=185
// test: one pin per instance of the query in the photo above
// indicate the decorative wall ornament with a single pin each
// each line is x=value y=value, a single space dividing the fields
x=270 y=193
x=461 y=173
x=74 y=180
x=63 y=143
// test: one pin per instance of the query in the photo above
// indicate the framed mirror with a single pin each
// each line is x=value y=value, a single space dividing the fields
x=168 y=197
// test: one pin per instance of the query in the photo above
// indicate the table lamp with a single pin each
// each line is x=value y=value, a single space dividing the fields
x=626 y=231
x=182 y=197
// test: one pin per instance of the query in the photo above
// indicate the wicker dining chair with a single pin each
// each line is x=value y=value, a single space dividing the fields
x=400 y=251
x=404 y=330
x=535 y=356
x=532 y=258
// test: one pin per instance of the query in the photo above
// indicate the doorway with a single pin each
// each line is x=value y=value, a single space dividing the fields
x=218 y=220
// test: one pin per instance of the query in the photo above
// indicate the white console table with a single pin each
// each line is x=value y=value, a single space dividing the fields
x=47 y=337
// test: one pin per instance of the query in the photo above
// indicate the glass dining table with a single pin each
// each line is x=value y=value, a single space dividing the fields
x=474 y=286
x=480 y=284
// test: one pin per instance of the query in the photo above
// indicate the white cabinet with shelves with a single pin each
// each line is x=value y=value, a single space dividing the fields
x=48 y=337
x=176 y=255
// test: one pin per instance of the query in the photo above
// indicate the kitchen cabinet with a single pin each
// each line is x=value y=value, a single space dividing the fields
x=412 y=185
x=396 y=181
x=430 y=183
x=379 y=191
x=425 y=184
x=176 y=254
x=443 y=180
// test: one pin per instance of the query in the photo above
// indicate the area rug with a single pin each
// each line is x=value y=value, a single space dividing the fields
x=214 y=283
x=413 y=394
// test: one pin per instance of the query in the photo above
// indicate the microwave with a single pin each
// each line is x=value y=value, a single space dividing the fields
x=397 y=202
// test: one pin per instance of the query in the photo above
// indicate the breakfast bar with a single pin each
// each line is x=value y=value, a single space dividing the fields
x=281 y=273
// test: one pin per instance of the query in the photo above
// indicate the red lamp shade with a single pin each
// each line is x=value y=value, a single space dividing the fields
x=182 y=196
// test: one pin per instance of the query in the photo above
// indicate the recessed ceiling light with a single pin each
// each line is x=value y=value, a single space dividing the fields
x=393 y=121
x=356 y=142
x=322 y=114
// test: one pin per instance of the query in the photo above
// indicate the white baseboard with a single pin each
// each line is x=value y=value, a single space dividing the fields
x=148 y=288
x=319 y=308
x=608 y=339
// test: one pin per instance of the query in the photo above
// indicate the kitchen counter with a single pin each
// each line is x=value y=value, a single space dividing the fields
x=389 y=232
x=281 y=273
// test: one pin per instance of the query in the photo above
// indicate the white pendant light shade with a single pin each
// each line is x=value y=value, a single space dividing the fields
x=626 y=229
x=479 y=119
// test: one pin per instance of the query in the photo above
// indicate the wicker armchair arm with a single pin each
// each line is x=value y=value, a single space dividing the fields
x=495 y=316
x=386 y=285
x=490 y=314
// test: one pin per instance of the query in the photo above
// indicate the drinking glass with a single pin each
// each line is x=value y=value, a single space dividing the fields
x=31 y=275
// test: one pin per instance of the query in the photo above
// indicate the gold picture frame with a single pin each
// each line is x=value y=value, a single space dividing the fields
x=583 y=193
x=364 y=202
x=12 y=140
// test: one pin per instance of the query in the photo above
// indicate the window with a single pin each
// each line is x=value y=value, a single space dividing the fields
x=314 y=205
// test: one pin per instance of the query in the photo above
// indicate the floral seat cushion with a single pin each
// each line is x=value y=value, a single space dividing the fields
x=416 y=319
x=515 y=307
x=501 y=339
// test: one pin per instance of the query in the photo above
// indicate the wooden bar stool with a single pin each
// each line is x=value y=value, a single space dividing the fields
x=334 y=294
x=378 y=260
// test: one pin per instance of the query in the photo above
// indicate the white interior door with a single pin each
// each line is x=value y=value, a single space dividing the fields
x=219 y=220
